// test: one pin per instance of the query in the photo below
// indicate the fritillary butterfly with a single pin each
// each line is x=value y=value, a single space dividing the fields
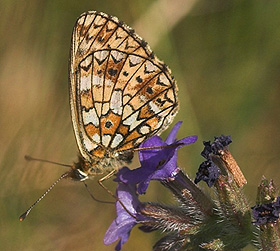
x=120 y=95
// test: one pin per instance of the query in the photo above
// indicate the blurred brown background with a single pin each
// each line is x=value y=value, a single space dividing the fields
x=225 y=56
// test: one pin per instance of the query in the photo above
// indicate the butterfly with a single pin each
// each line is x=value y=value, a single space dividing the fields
x=120 y=95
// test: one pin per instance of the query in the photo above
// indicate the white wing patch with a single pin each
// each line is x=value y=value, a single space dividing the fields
x=149 y=67
x=106 y=140
x=132 y=121
x=116 y=102
x=118 y=56
x=155 y=108
x=134 y=60
x=85 y=83
x=97 y=81
x=145 y=129
x=88 y=144
x=117 y=140
x=90 y=117
x=96 y=138
x=100 y=56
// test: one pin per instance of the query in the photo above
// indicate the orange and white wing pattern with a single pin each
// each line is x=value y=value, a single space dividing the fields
x=120 y=93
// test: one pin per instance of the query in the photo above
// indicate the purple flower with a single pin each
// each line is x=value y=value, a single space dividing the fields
x=124 y=222
x=219 y=143
x=207 y=172
x=158 y=163
x=207 y=149
x=266 y=213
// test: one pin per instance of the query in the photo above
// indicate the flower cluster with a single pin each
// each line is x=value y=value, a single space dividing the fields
x=208 y=171
x=266 y=213
x=198 y=222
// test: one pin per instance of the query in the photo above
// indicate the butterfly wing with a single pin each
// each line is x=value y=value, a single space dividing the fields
x=120 y=93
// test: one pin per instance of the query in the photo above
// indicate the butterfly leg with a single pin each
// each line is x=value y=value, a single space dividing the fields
x=109 y=175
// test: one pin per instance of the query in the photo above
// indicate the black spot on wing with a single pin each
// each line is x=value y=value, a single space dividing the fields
x=139 y=79
x=149 y=90
x=112 y=72
x=108 y=124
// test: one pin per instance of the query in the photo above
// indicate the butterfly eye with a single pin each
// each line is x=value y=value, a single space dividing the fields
x=80 y=175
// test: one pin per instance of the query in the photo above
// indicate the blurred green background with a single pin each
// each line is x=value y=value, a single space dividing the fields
x=225 y=56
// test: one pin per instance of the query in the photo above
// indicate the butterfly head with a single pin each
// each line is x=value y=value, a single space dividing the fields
x=77 y=175
x=83 y=169
x=79 y=170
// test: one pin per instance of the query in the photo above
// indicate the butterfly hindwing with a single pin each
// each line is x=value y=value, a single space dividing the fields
x=120 y=93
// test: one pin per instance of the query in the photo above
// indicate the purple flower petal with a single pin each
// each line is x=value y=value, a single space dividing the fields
x=118 y=230
x=135 y=176
x=172 y=135
x=206 y=150
x=169 y=167
x=158 y=163
x=207 y=172
x=142 y=187
x=124 y=222
x=186 y=141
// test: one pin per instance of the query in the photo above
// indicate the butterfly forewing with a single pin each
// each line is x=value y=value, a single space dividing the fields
x=120 y=93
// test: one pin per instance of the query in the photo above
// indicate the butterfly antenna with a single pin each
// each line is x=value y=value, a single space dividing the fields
x=29 y=158
x=24 y=215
